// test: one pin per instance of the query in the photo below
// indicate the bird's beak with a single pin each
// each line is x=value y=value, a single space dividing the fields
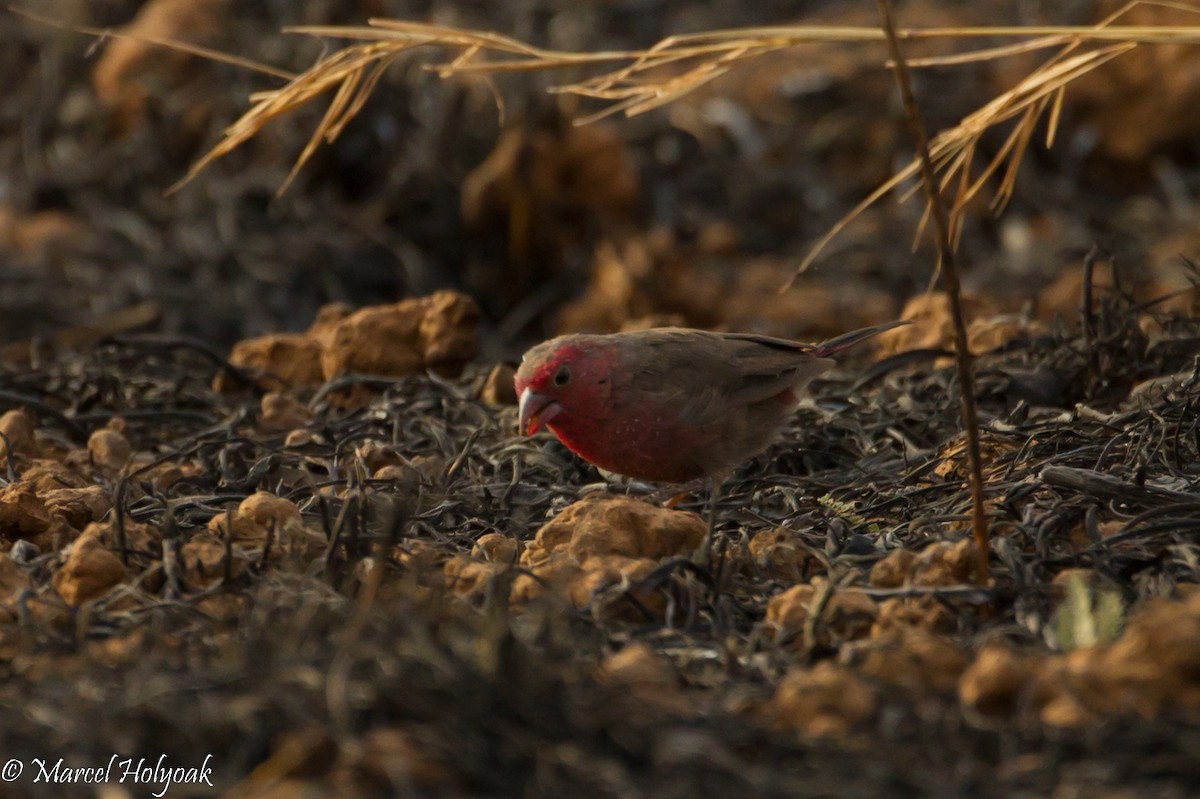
x=536 y=410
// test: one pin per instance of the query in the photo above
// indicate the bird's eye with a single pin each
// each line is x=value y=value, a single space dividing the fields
x=562 y=376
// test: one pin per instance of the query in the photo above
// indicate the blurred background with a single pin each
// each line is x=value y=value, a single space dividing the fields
x=694 y=214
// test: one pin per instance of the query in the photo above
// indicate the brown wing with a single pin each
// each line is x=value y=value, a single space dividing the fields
x=703 y=374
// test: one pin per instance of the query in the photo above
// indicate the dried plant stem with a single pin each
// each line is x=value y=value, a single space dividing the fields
x=945 y=250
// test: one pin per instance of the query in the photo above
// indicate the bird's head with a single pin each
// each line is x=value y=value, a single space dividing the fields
x=567 y=378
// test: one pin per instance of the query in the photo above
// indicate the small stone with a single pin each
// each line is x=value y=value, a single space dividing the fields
x=18 y=428
x=246 y=531
x=471 y=578
x=944 y=563
x=892 y=571
x=267 y=509
x=435 y=332
x=279 y=412
x=203 y=560
x=89 y=571
x=499 y=389
x=847 y=615
x=598 y=525
x=992 y=685
x=77 y=507
x=495 y=547
x=779 y=553
x=22 y=512
x=826 y=701
x=280 y=360
x=109 y=449
x=911 y=659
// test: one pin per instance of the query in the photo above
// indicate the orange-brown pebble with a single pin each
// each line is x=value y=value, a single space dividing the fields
x=468 y=577
x=847 y=615
x=18 y=428
x=89 y=571
x=892 y=571
x=912 y=659
x=22 y=512
x=77 y=507
x=267 y=509
x=246 y=531
x=778 y=552
x=826 y=701
x=498 y=388
x=598 y=525
x=993 y=685
x=109 y=449
x=495 y=547
x=944 y=563
x=203 y=559
x=279 y=412
x=435 y=332
x=280 y=360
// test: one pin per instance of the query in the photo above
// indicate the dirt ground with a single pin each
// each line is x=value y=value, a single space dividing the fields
x=264 y=499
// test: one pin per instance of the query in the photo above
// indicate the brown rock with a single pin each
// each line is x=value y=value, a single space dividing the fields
x=448 y=331
x=1156 y=661
x=847 y=615
x=89 y=572
x=923 y=612
x=203 y=560
x=826 y=701
x=553 y=574
x=22 y=513
x=994 y=684
x=436 y=332
x=605 y=582
x=495 y=547
x=246 y=531
x=279 y=412
x=943 y=563
x=109 y=449
x=892 y=570
x=598 y=525
x=77 y=507
x=143 y=539
x=911 y=659
x=470 y=578
x=779 y=554
x=640 y=674
x=419 y=555
x=267 y=509
x=280 y=360
x=129 y=65
x=328 y=318
x=498 y=389
x=932 y=323
x=44 y=476
x=636 y=664
x=18 y=428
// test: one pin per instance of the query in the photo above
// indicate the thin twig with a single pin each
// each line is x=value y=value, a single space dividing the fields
x=946 y=259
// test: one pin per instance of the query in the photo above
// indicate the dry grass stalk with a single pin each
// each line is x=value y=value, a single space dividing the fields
x=650 y=78
x=944 y=239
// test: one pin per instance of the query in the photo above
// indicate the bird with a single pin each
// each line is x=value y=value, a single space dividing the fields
x=671 y=405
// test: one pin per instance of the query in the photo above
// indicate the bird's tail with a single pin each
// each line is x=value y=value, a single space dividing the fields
x=836 y=345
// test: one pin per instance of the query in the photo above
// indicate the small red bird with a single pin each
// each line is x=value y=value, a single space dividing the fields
x=670 y=405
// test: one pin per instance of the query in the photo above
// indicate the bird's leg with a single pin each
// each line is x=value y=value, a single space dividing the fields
x=700 y=557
